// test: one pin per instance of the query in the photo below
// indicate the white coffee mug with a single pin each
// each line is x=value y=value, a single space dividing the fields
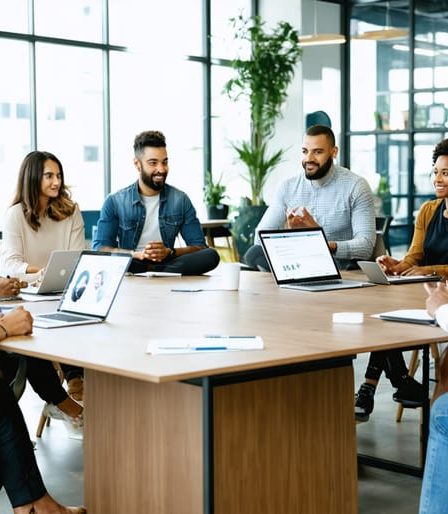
x=231 y=275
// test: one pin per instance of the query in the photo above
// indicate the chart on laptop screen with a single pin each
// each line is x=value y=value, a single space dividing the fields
x=297 y=255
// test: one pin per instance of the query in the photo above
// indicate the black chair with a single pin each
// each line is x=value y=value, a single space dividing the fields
x=382 y=245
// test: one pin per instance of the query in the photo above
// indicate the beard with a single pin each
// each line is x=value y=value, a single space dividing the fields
x=149 y=181
x=320 y=172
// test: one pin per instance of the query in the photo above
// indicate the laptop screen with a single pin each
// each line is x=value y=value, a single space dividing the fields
x=94 y=283
x=299 y=255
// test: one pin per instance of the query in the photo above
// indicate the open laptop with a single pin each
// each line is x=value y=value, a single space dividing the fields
x=377 y=276
x=90 y=290
x=57 y=272
x=300 y=259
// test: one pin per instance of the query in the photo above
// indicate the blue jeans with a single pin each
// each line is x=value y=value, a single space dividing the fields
x=434 y=495
x=195 y=263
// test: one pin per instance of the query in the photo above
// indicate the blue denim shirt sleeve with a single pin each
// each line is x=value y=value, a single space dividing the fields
x=107 y=230
x=177 y=215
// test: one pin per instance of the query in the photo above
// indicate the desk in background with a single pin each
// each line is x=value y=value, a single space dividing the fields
x=241 y=432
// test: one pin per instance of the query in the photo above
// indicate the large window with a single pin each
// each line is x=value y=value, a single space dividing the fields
x=15 y=112
x=82 y=78
x=398 y=96
x=154 y=100
x=70 y=116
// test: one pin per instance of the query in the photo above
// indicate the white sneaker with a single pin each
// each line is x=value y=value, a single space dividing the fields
x=74 y=425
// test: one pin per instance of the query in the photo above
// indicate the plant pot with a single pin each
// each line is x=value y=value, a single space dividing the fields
x=244 y=225
x=217 y=212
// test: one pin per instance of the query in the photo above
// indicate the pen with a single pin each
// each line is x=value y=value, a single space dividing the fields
x=199 y=348
x=194 y=348
x=230 y=337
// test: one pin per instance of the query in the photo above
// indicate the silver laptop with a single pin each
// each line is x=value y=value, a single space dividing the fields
x=377 y=276
x=57 y=272
x=90 y=290
x=300 y=259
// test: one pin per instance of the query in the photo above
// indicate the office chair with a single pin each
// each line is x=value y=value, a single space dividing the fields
x=90 y=219
x=317 y=118
x=382 y=226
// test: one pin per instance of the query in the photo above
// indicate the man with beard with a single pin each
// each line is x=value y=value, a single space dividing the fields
x=325 y=195
x=146 y=217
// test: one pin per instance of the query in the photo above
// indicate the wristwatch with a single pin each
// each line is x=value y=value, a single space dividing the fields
x=172 y=253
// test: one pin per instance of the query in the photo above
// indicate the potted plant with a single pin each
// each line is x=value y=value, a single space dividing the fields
x=214 y=193
x=383 y=193
x=262 y=79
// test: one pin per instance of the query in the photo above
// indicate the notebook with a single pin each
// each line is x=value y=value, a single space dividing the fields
x=90 y=290
x=300 y=259
x=419 y=316
x=57 y=272
x=377 y=276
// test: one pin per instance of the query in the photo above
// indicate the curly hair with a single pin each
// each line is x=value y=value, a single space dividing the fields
x=440 y=149
x=29 y=189
x=152 y=138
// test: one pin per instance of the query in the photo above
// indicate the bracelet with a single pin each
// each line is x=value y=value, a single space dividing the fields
x=4 y=330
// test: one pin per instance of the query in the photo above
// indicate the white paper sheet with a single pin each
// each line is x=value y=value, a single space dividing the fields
x=201 y=344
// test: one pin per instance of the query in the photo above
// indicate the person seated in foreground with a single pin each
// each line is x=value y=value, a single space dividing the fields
x=434 y=493
x=427 y=255
x=146 y=217
x=19 y=473
x=40 y=373
x=325 y=195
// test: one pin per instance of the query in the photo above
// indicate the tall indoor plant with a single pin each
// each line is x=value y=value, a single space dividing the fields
x=262 y=79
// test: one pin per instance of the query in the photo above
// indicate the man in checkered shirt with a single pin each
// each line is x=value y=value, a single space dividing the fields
x=325 y=195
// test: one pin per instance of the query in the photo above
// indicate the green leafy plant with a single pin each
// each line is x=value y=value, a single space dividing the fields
x=214 y=192
x=262 y=79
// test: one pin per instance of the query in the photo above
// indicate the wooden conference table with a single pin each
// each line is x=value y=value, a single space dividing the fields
x=234 y=432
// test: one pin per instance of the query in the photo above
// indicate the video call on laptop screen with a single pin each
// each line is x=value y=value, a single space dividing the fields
x=299 y=255
x=94 y=283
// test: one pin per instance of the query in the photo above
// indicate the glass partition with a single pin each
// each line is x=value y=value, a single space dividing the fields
x=398 y=99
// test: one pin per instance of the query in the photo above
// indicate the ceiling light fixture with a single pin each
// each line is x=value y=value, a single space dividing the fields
x=322 y=39
x=316 y=39
x=386 y=33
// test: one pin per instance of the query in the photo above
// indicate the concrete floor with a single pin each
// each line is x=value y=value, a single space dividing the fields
x=380 y=492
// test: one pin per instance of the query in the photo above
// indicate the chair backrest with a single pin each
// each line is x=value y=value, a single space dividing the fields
x=382 y=223
x=90 y=219
x=382 y=246
x=317 y=118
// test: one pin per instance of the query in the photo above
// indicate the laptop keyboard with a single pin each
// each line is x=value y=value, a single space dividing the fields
x=320 y=283
x=59 y=316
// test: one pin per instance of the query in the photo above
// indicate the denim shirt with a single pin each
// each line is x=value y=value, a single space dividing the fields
x=123 y=216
